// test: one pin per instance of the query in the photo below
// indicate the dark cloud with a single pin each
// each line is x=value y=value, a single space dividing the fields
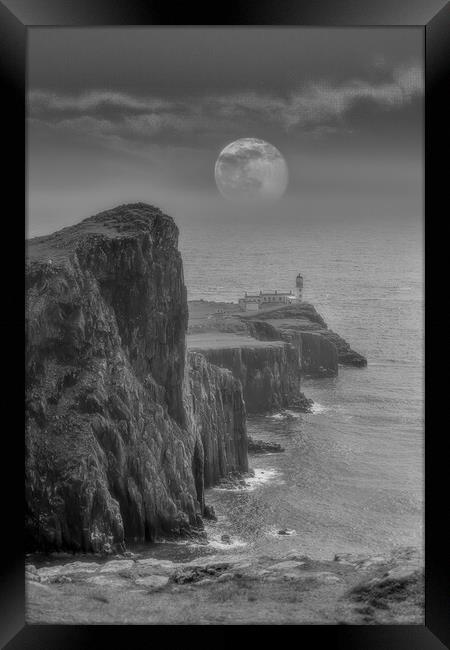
x=317 y=104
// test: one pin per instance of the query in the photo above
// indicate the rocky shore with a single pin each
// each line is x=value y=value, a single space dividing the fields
x=229 y=588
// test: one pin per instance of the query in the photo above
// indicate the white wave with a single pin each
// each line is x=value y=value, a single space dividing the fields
x=293 y=414
x=228 y=488
x=278 y=416
x=261 y=477
x=318 y=408
x=226 y=546
x=283 y=415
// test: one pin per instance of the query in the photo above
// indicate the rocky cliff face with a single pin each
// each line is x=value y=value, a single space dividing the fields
x=321 y=349
x=219 y=414
x=318 y=355
x=269 y=373
x=113 y=450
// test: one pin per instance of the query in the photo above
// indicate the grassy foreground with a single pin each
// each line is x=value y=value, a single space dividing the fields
x=230 y=589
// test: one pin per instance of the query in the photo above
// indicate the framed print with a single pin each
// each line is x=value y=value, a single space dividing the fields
x=224 y=321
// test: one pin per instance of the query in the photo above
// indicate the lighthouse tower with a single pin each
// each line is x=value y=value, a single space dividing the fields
x=299 y=287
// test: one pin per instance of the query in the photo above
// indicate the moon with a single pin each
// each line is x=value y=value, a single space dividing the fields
x=250 y=169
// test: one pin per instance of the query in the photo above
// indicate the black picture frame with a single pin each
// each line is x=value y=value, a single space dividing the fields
x=16 y=18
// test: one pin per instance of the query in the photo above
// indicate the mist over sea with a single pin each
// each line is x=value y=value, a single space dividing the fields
x=351 y=478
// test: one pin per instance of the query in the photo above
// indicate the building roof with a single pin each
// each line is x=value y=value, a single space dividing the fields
x=268 y=293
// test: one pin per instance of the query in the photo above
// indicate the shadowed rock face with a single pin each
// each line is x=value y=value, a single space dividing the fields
x=219 y=413
x=321 y=349
x=269 y=374
x=113 y=450
x=319 y=356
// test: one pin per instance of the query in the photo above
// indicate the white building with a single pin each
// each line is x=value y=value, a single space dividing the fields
x=299 y=287
x=254 y=302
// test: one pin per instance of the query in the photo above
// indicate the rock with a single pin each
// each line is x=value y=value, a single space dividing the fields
x=225 y=577
x=36 y=589
x=285 y=565
x=192 y=573
x=328 y=578
x=209 y=513
x=226 y=539
x=294 y=555
x=153 y=582
x=110 y=581
x=262 y=446
x=61 y=579
x=151 y=566
x=46 y=573
x=397 y=587
x=33 y=577
x=60 y=572
x=30 y=568
x=257 y=572
x=204 y=581
x=115 y=566
x=284 y=531
x=360 y=561
x=323 y=577
x=242 y=565
x=80 y=567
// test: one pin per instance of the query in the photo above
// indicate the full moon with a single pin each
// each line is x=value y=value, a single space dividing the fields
x=251 y=169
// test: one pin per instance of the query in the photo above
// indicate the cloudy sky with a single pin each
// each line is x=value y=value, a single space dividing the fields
x=118 y=115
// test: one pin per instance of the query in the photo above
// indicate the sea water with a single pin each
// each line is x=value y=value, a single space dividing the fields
x=351 y=478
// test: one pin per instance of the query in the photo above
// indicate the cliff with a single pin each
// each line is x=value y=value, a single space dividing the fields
x=219 y=413
x=318 y=355
x=321 y=349
x=268 y=371
x=114 y=452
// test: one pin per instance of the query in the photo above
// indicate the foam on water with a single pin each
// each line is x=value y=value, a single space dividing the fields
x=283 y=415
x=295 y=415
x=277 y=416
x=318 y=408
x=217 y=543
x=263 y=476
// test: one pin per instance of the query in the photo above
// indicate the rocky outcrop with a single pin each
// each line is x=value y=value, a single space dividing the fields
x=219 y=414
x=269 y=373
x=320 y=348
x=318 y=355
x=113 y=448
x=263 y=447
x=346 y=355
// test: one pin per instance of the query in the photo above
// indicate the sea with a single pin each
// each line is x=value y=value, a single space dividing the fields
x=351 y=479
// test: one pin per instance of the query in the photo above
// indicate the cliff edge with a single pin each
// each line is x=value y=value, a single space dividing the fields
x=113 y=448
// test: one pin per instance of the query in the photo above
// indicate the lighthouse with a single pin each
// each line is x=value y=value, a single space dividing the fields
x=299 y=287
